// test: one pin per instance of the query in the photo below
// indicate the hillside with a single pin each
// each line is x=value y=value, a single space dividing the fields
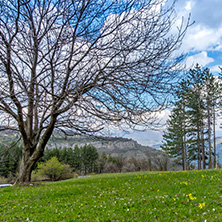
x=115 y=146
x=110 y=145
x=141 y=196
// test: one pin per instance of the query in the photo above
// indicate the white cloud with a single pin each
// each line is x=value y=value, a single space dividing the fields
x=217 y=48
x=163 y=115
x=215 y=68
x=200 y=58
x=206 y=33
x=204 y=12
x=189 y=5
x=200 y=38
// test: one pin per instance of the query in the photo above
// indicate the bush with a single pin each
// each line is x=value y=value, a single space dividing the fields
x=110 y=168
x=66 y=172
x=3 y=179
x=53 y=170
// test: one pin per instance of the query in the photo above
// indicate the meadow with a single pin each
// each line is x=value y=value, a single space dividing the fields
x=141 y=196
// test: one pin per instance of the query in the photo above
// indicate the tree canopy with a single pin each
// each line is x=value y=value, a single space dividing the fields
x=82 y=65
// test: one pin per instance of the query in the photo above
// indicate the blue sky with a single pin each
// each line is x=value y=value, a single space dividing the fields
x=202 y=43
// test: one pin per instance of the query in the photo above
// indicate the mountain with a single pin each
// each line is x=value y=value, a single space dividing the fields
x=110 y=145
x=115 y=146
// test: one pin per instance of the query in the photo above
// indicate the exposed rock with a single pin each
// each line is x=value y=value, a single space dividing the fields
x=110 y=145
x=127 y=148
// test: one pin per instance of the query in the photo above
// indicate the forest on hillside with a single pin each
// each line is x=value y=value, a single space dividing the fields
x=64 y=163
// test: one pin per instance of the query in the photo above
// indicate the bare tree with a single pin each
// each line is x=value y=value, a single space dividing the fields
x=82 y=64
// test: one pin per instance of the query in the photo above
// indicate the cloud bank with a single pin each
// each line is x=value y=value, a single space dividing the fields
x=203 y=41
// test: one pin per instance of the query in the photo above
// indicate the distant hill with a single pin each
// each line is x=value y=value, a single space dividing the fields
x=110 y=145
x=115 y=146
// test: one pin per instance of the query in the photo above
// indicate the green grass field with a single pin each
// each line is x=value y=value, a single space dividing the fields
x=144 y=196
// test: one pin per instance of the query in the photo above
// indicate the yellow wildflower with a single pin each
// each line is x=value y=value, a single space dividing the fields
x=184 y=183
x=191 y=197
x=201 y=205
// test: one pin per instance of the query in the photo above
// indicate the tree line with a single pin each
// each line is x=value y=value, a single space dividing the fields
x=191 y=134
x=79 y=160
x=82 y=159
x=10 y=156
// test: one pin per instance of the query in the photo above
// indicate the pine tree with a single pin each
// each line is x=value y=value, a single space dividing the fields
x=213 y=96
x=195 y=111
x=89 y=156
x=175 y=137
x=102 y=161
x=76 y=163
x=193 y=118
x=10 y=155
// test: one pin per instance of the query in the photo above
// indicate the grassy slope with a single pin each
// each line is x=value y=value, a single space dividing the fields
x=143 y=196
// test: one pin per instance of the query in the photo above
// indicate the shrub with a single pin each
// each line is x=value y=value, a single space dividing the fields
x=53 y=170
x=3 y=179
x=66 y=172
x=110 y=167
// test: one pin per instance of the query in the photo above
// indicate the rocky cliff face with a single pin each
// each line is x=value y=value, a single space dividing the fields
x=115 y=146
x=126 y=148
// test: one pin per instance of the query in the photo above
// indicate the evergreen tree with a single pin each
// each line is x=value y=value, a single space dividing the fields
x=195 y=107
x=102 y=161
x=76 y=162
x=89 y=156
x=10 y=155
x=49 y=153
x=67 y=156
x=193 y=119
x=212 y=94
x=175 y=137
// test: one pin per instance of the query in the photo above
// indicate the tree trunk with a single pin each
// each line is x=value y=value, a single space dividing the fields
x=183 y=157
x=184 y=137
x=32 y=153
x=25 y=171
x=203 y=148
x=185 y=153
x=198 y=147
x=214 y=133
x=209 y=133
x=198 y=132
x=29 y=158
x=182 y=153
